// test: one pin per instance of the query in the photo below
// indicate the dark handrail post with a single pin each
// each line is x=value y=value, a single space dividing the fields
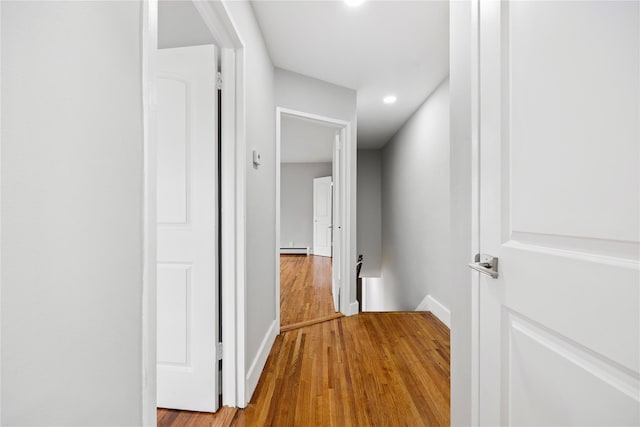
x=359 y=283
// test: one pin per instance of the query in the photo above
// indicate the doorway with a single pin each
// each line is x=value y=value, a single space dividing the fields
x=306 y=221
x=196 y=26
x=187 y=211
x=309 y=218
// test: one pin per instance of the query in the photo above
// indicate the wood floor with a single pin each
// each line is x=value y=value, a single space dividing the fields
x=305 y=289
x=170 y=417
x=373 y=369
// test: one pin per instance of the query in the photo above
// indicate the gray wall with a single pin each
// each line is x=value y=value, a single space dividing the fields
x=72 y=170
x=310 y=95
x=302 y=141
x=415 y=207
x=370 y=211
x=296 y=202
x=315 y=96
x=180 y=24
x=260 y=182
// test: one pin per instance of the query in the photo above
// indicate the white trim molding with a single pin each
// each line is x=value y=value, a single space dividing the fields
x=295 y=251
x=233 y=146
x=354 y=308
x=431 y=304
x=1 y=218
x=255 y=370
x=149 y=224
x=230 y=232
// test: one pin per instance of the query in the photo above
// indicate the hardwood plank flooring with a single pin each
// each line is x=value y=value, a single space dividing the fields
x=305 y=289
x=173 y=418
x=373 y=369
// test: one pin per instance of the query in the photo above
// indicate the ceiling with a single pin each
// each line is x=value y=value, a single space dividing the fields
x=305 y=141
x=380 y=48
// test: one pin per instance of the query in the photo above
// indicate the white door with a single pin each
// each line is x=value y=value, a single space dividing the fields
x=336 y=272
x=187 y=267
x=322 y=216
x=559 y=205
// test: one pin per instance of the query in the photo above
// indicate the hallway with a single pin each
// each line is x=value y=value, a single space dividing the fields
x=305 y=289
x=365 y=370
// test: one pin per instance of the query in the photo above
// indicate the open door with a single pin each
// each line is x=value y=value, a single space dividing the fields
x=322 y=216
x=559 y=213
x=187 y=371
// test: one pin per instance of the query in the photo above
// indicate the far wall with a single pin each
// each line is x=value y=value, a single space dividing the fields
x=296 y=202
x=370 y=211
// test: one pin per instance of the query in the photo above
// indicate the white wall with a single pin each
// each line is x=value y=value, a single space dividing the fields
x=415 y=207
x=72 y=164
x=296 y=202
x=370 y=211
x=260 y=192
x=309 y=95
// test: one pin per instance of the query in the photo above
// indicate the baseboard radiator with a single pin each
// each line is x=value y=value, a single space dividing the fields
x=294 y=251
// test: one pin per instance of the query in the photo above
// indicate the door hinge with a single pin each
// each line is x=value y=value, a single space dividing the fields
x=219 y=81
x=219 y=351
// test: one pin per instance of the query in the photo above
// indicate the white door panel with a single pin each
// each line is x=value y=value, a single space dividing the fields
x=187 y=281
x=174 y=302
x=560 y=207
x=322 y=221
x=173 y=144
x=556 y=382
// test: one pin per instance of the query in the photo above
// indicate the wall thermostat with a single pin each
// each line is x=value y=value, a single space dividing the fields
x=257 y=159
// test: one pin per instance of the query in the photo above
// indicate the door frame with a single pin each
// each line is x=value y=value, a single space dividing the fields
x=464 y=175
x=474 y=70
x=233 y=145
x=0 y=209
x=344 y=128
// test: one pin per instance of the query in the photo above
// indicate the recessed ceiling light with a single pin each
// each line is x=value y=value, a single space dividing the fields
x=354 y=3
x=390 y=99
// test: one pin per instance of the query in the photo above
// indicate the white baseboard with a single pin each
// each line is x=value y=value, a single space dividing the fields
x=431 y=304
x=295 y=251
x=353 y=308
x=253 y=375
x=424 y=304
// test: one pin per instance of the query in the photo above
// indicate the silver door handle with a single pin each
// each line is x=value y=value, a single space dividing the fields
x=330 y=226
x=486 y=264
